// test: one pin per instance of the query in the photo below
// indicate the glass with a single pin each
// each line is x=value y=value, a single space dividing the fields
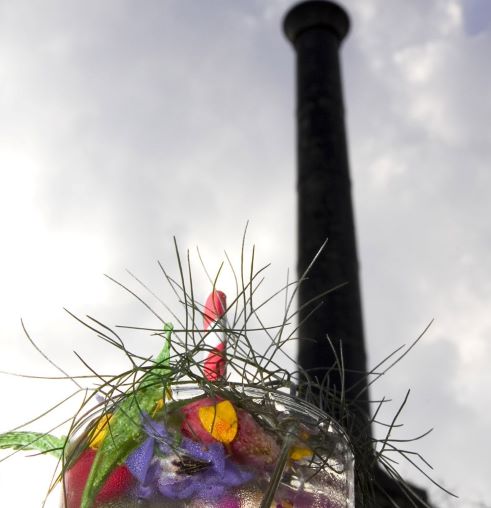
x=203 y=456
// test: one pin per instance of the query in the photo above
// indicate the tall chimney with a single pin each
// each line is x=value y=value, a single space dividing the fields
x=316 y=30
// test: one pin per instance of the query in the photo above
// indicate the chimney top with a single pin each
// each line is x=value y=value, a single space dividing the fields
x=316 y=14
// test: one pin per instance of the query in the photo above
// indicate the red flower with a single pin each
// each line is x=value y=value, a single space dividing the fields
x=75 y=479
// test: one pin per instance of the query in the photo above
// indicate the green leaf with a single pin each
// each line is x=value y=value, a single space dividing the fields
x=44 y=443
x=125 y=430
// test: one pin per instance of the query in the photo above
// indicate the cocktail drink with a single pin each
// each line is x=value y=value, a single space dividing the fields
x=177 y=432
x=225 y=450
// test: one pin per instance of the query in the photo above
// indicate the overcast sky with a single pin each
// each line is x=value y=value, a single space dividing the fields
x=123 y=123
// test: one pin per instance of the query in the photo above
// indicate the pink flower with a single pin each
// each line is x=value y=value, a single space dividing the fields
x=253 y=445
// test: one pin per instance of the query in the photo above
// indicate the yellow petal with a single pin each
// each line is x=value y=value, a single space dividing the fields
x=99 y=433
x=300 y=452
x=220 y=421
x=159 y=405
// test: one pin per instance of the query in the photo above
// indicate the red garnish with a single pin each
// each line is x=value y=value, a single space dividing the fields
x=118 y=482
x=215 y=363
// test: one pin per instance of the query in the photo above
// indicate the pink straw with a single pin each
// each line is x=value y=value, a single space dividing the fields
x=216 y=340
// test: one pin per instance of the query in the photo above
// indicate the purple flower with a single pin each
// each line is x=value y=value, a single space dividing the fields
x=192 y=469
x=139 y=462
x=205 y=472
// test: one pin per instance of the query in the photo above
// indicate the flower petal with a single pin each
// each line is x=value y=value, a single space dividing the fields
x=99 y=433
x=220 y=421
x=139 y=461
x=300 y=452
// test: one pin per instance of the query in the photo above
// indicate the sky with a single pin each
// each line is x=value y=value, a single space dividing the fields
x=125 y=123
